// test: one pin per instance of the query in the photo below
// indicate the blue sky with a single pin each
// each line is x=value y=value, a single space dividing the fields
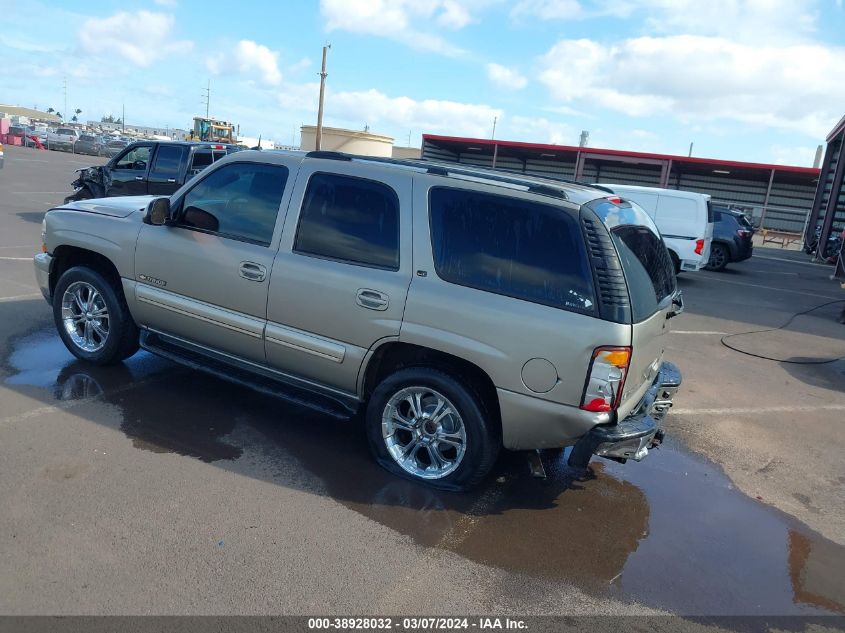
x=758 y=80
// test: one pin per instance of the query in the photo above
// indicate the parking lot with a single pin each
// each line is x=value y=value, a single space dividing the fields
x=149 y=488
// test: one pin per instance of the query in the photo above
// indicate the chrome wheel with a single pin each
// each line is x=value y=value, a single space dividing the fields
x=423 y=432
x=85 y=316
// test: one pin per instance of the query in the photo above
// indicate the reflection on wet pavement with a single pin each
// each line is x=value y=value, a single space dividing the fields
x=670 y=532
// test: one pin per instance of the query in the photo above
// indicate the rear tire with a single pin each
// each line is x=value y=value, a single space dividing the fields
x=425 y=425
x=92 y=317
x=719 y=257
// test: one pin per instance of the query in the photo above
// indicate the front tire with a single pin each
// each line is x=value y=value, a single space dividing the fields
x=424 y=425
x=92 y=317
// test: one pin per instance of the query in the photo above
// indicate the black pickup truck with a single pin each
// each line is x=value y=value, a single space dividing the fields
x=147 y=167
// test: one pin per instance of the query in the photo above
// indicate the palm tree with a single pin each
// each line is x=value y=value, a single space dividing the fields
x=50 y=110
x=59 y=114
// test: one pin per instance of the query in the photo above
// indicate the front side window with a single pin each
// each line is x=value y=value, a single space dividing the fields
x=240 y=201
x=351 y=220
x=136 y=158
x=511 y=247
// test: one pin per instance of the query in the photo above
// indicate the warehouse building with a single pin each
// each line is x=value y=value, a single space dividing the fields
x=777 y=197
x=829 y=211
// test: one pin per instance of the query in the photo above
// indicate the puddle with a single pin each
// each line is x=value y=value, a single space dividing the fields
x=670 y=532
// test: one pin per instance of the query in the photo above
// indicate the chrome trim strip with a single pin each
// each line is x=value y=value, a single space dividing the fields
x=147 y=294
x=304 y=342
x=303 y=383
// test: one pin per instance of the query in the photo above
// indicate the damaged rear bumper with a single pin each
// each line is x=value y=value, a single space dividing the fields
x=632 y=437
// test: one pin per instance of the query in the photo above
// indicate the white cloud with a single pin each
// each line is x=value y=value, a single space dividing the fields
x=746 y=20
x=548 y=9
x=410 y=22
x=505 y=77
x=375 y=108
x=391 y=115
x=299 y=66
x=696 y=78
x=540 y=130
x=142 y=37
x=783 y=155
x=248 y=57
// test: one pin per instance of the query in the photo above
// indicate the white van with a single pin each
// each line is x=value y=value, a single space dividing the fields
x=684 y=218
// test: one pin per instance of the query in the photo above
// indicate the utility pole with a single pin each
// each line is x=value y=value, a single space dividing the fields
x=64 y=87
x=207 y=97
x=123 y=116
x=493 y=136
x=690 y=149
x=323 y=75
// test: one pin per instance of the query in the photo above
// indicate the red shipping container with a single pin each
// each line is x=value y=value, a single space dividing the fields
x=2 y=138
x=4 y=125
x=15 y=140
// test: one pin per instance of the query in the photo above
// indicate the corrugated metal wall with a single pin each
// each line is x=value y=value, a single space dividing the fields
x=839 y=216
x=622 y=173
x=787 y=210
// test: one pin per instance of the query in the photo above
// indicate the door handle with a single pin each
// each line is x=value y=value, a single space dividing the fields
x=372 y=299
x=252 y=271
x=171 y=180
x=139 y=177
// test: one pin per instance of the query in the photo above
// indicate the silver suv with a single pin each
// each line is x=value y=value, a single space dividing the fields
x=455 y=310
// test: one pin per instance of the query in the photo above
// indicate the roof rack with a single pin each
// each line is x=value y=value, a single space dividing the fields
x=441 y=169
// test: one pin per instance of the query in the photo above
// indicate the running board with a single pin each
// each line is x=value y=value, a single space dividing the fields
x=255 y=377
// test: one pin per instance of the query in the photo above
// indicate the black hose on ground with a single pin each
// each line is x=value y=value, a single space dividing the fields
x=780 y=327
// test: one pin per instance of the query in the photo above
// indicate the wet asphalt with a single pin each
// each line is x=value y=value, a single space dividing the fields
x=149 y=488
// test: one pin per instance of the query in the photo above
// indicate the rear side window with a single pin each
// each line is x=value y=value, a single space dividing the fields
x=168 y=160
x=510 y=247
x=351 y=220
x=711 y=215
x=648 y=269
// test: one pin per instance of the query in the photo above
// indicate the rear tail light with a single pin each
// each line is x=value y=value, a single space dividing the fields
x=743 y=233
x=699 y=247
x=606 y=378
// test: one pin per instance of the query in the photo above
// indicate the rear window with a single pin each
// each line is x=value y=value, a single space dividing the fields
x=743 y=220
x=647 y=266
x=66 y=131
x=86 y=138
x=511 y=247
x=200 y=161
x=649 y=273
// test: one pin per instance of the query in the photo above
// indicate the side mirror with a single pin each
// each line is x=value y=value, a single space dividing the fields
x=677 y=305
x=158 y=212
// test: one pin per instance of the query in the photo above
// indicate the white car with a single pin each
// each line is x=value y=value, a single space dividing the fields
x=684 y=219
